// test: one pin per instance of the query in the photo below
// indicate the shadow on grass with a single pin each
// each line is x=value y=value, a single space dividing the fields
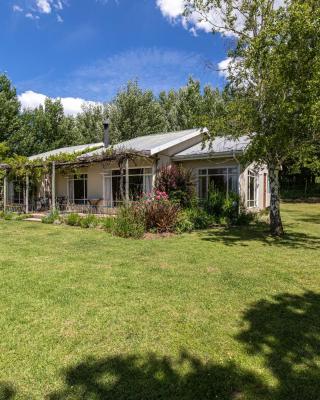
x=286 y=332
x=315 y=219
x=7 y=392
x=241 y=236
x=153 y=378
x=283 y=331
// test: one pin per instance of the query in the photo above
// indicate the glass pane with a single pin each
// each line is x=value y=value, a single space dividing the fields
x=233 y=184
x=217 y=171
x=148 y=171
x=116 y=193
x=218 y=183
x=80 y=191
x=135 y=187
x=203 y=187
x=136 y=171
x=147 y=184
x=202 y=172
x=233 y=170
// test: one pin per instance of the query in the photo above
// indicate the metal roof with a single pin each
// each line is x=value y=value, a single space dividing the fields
x=152 y=144
x=66 y=150
x=220 y=146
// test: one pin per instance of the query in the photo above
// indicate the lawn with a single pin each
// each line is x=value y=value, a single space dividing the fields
x=223 y=314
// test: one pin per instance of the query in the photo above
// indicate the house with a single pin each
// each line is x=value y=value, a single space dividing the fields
x=94 y=181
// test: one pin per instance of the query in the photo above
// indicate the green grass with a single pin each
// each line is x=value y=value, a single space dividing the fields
x=222 y=314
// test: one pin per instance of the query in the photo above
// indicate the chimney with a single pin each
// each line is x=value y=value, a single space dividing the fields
x=106 y=138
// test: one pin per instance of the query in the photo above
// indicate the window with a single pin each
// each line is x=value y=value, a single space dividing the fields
x=78 y=189
x=224 y=180
x=252 y=189
x=140 y=181
x=17 y=194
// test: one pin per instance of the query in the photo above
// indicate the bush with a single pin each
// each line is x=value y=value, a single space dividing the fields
x=184 y=224
x=230 y=210
x=214 y=204
x=246 y=217
x=51 y=217
x=177 y=182
x=200 y=218
x=127 y=225
x=73 y=219
x=6 y=215
x=160 y=214
x=107 y=223
x=89 y=221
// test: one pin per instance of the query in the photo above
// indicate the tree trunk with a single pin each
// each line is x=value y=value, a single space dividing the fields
x=276 y=227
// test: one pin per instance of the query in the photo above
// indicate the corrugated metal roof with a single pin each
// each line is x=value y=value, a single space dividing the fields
x=65 y=150
x=218 y=147
x=152 y=144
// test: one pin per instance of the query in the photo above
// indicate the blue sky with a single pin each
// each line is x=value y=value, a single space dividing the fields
x=88 y=49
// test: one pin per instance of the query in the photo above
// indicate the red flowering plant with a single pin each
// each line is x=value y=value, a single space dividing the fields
x=178 y=183
x=158 y=212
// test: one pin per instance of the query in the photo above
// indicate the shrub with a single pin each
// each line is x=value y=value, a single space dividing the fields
x=89 y=221
x=214 y=204
x=51 y=217
x=200 y=218
x=177 y=182
x=73 y=219
x=6 y=215
x=107 y=223
x=230 y=209
x=246 y=217
x=127 y=225
x=184 y=223
x=160 y=214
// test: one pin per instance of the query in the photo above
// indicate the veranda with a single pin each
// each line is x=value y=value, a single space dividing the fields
x=31 y=188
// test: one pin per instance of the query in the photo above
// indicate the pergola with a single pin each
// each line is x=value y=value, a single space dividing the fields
x=121 y=156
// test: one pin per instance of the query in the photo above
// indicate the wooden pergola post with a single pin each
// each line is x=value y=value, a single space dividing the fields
x=27 y=194
x=53 y=186
x=127 y=181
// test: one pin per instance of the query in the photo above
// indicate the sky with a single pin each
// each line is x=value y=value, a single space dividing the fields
x=86 y=50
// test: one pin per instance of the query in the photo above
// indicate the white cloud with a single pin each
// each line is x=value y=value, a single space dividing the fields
x=71 y=105
x=173 y=10
x=17 y=8
x=31 y=16
x=224 y=66
x=34 y=9
x=44 y=6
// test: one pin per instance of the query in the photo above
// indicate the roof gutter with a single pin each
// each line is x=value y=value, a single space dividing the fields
x=208 y=156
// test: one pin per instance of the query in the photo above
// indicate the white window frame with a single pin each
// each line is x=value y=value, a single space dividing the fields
x=71 y=179
x=227 y=167
x=108 y=175
x=252 y=203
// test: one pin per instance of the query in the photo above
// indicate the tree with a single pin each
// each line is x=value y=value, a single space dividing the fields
x=135 y=112
x=190 y=107
x=89 y=123
x=44 y=128
x=9 y=109
x=273 y=79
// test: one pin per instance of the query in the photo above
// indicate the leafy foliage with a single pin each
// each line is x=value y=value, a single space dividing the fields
x=177 y=182
x=135 y=112
x=274 y=81
x=127 y=225
x=9 y=109
x=51 y=218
